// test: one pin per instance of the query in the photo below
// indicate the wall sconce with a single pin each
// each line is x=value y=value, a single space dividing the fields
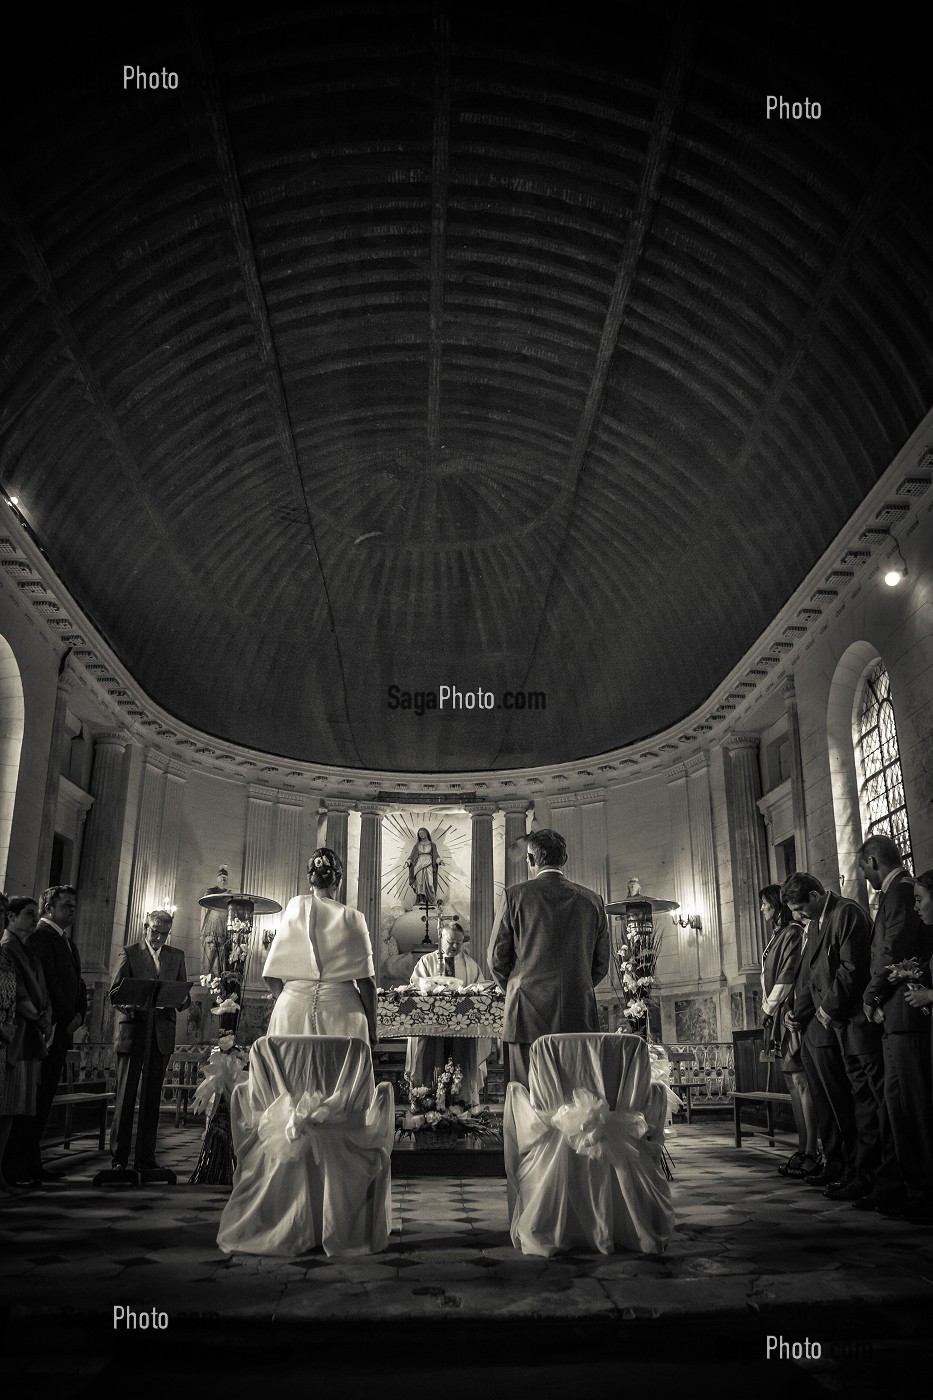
x=895 y=573
x=689 y=921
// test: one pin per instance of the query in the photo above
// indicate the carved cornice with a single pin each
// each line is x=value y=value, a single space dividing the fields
x=174 y=769
x=856 y=556
x=481 y=809
x=512 y=805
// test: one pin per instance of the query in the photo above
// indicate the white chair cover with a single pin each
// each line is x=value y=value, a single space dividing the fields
x=313 y=1136
x=583 y=1148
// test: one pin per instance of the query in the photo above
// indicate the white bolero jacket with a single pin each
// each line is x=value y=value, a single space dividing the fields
x=320 y=940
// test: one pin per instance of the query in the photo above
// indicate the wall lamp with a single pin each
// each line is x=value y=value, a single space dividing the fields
x=689 y=921
x=895 y=573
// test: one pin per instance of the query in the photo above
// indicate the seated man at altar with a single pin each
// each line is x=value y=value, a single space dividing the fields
x=427 y=1055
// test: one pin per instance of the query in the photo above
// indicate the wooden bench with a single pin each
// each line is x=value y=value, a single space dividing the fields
x=70 y=1095
x=756 y=1082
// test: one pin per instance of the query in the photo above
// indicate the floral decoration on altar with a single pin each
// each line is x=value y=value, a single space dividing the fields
x=636 y=962
x=439 y=1114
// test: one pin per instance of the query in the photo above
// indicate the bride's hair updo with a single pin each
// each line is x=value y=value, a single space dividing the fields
x=325 y=868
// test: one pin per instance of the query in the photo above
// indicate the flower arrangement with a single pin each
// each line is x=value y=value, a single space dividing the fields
x=227 y=1066
x=439 y=1112
x=909 y=971
x=636 y=963
x=226 y=991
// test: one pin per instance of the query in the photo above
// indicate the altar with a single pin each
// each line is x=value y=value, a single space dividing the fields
x=404 y=1011
x=474 y=1013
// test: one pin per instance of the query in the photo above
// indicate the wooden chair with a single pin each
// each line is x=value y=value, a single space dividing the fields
x=756 y=1082
x=181 y=1080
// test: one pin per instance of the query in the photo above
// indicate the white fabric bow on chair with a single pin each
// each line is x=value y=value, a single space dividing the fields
x=313 y=1136
x=583 y=1145
x=594 y=1130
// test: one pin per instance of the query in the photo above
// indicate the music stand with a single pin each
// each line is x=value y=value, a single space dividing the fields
x=145 y=994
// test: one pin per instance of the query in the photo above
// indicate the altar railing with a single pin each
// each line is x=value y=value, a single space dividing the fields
x=716 y=1065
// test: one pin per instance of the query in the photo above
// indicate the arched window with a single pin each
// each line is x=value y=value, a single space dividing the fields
x=881 y=782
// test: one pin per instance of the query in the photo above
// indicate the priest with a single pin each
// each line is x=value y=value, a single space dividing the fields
x=427 y=1055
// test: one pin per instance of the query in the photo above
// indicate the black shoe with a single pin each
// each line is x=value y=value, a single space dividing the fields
x=869 y=1202
x=852 y=1190
x=831 y=1175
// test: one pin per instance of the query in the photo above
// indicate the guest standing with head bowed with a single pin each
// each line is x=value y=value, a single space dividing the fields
x=32 y=1022
x=320 y=965
x=915 y=994
x=780 y=963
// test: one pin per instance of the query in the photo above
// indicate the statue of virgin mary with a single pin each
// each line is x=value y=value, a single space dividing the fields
x=422 y=869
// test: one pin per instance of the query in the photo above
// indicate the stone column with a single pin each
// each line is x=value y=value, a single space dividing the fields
x=100 y=858
x=369 y=895
x=175 y=775
x=482 y=885
x=289 y=873
x=747 y=842
x=789 y=692
x=679 y=809
x=146 y=851
x=705 y=887
x=58 y=747
x=516 y=868
x=567 y=820
x=594 y=853
x=257 y=870
x=338 y=815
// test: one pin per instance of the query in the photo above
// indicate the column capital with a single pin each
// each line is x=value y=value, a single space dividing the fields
x=257 y=793
x=174 y=769
x=337 y=804
x=738 y=742
x=699 y=763
x=789 y=686
x=115 y=738
x=156 y=759
x=677 y=774
x=371 y=809
x=481 y=809
x=285 y=798
x=514 y=804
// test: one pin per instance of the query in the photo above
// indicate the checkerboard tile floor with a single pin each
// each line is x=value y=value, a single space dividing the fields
x=745 y=1239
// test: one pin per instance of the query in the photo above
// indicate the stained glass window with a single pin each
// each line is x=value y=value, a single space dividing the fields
x=882 y=782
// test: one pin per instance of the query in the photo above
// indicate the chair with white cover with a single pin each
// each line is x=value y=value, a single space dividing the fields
x=583 y=1148
x=312 y=1135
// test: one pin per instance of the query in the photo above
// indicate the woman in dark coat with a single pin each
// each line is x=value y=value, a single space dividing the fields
x=31 y=1024
x=779 y=963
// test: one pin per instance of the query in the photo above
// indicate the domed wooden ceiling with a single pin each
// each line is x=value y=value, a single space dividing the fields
x=437 y=346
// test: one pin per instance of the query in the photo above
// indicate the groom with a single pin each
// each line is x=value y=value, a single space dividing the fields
x=550 y=948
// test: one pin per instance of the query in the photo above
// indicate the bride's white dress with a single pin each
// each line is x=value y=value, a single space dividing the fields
x=321 y=948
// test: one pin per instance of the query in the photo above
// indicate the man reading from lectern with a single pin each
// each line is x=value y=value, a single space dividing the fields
x=150 y=960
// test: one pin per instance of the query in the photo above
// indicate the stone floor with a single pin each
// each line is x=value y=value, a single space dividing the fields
x=753 y=1256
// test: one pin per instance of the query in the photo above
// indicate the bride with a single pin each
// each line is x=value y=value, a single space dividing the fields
x=320 y=965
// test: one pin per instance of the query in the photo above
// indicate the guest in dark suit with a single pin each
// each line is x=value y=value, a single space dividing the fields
x=841 y=1051
x=550 y=948
x=53 y=947
x=150 y=958
x=898 y=934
